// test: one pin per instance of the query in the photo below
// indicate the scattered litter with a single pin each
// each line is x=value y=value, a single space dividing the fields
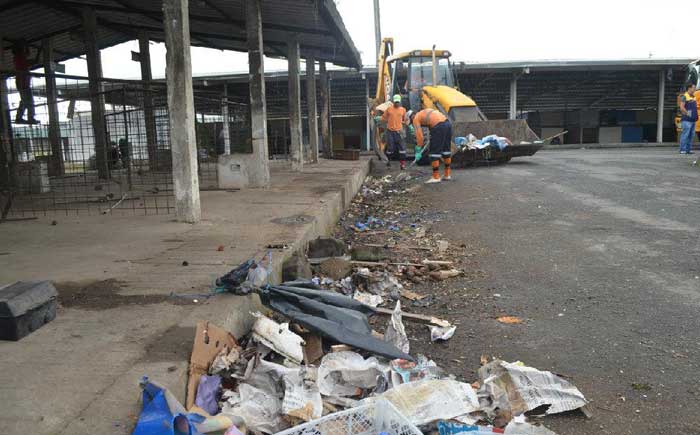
x=161 y=413
x=209 y=341
x=224 y=360
x=343 y=374
x=439 y=333
x=441 y=275
x=232 y=281
x=432 y=400
x=207 y=393
x=513 y=389
x=368 y=298
x=385 y=284
x=519 y=426
x=413 y=296
x=442 y=245
x=403 y=372
x=220 y=248
x=259 y=410
x=337 y=317
x=278 y=337
x=509 y=320
x=302 y=398
x=377 y=418
x=395 y=332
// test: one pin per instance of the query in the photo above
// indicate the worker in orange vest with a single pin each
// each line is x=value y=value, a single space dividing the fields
x=440 y=140
x=395 y=118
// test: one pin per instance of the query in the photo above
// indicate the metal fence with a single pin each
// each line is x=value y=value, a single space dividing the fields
x=133 y=173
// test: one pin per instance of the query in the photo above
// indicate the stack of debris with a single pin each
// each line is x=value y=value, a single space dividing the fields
x=332 y=355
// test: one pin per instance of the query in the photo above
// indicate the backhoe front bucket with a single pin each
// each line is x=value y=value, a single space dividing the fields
x=525 y=141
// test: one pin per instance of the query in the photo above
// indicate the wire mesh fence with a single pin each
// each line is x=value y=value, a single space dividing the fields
x=116 y=160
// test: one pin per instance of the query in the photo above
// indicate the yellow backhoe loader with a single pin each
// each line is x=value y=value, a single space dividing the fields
x=424 y=79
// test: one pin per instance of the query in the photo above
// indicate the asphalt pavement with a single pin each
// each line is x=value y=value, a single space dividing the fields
x=599 y=252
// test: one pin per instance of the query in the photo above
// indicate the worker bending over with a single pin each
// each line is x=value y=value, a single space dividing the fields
x=440 y=140
x=395 y=118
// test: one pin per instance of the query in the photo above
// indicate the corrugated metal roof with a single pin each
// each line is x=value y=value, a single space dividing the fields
x=574 y=64
x=213 y=23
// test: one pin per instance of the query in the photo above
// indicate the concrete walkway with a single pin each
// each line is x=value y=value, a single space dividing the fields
x=79 y=374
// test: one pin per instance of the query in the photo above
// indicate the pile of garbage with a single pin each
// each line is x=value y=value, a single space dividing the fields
x=331 y=356
x=286 y=378
x=472 y=143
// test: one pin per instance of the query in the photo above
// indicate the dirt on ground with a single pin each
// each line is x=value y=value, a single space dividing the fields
x=104 y=295
x=392 y=215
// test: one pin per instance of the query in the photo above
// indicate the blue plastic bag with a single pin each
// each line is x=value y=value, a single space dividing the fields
x=162 y=414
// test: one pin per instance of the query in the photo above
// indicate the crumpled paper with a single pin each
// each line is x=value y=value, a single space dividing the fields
x=342 y=373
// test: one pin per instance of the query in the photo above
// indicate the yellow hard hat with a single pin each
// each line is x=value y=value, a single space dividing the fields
x=397 y=98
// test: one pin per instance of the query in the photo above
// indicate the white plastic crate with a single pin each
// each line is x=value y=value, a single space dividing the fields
x=379 y=416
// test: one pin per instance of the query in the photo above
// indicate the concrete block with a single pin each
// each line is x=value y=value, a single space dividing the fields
x=323 y=247
x=296 y=267
x=232 y=171
x=33 y=177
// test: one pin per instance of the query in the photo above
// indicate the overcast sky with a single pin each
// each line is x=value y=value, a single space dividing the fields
x=494 y=30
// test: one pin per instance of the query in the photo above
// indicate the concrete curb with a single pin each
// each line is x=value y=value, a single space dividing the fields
x=118 y=402
x=608 y=145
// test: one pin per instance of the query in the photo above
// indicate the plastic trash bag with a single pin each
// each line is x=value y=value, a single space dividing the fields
x=162 y=414
x=260 y=410
x=207 y=393
x=439 y=333
x=333 y=316
x=395 y=332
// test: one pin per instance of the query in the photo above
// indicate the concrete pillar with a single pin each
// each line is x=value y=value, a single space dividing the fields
x=97 y=100
x=325 y=111
x=148 y=112
x=660 y=107
x=259 y=170
x=183 y=142
x=513 y=110
x=56 y=164
x=296 y=145
x=311 y=107
x=226 y=127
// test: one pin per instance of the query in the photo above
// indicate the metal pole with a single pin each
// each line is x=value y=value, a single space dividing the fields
x=377 y=31
x=513 y=112
x=660 y=108
x=435 y=83
x=367 y=144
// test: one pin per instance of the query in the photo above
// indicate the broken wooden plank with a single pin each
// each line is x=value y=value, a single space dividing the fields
x=413 y=296
x=437 y=262
x=417 y=318
x=368 y=263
